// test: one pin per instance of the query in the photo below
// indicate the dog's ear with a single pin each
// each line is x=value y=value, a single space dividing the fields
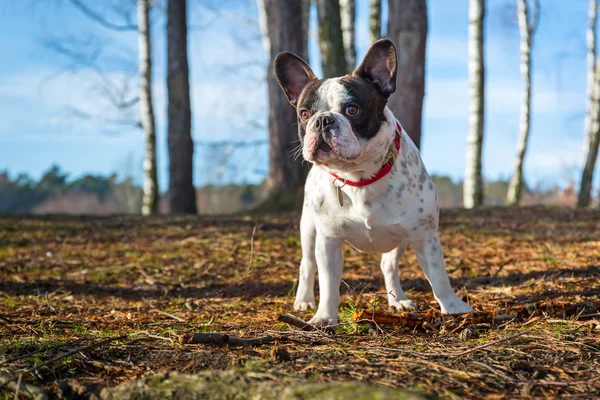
x=292 y=74
x=379 y=66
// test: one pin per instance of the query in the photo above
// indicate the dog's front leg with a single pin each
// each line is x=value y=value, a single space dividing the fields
x=330 y=261
x=305 y=296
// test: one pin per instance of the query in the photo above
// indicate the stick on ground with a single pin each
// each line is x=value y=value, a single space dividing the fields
x=455 y=354
x=64 y=355
x=223 y=339
x=297 y=322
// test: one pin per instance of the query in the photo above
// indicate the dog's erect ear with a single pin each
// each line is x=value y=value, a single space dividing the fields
x=292 y=74
x=379 y=66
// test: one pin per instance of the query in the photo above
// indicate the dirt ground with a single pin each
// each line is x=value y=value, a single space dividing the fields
x=67 y=283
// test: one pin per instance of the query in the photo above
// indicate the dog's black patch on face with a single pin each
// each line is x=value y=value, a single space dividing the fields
x=362 y=93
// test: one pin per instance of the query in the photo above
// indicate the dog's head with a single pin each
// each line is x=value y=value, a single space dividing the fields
x=339 y=118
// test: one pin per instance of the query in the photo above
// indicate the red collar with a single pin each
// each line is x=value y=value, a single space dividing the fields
x=385 y=169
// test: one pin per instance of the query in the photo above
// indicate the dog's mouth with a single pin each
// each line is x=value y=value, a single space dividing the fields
x=323 y=145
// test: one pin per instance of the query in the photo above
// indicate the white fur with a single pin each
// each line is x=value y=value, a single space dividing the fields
x=332 y=95
x=385 y=216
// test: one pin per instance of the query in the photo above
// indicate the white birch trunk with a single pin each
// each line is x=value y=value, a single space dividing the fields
x=590 y=149
x=473 y=184
x=527 y=29
x=347 y=15
x=150 y=184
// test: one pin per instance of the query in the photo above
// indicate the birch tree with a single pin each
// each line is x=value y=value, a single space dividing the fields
x=182 y=195
x=114 y=93
x=473 y=184
x=407 y=27
x=527 y=27
x=331 y=42
x=375 y=19
x=347 y=14
x=592 y=124
x=279 y=21
x=150 y=186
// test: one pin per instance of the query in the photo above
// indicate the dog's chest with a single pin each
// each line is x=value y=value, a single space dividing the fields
x=378 y=217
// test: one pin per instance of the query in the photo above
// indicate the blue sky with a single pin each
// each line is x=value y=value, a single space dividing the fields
x=229 y=93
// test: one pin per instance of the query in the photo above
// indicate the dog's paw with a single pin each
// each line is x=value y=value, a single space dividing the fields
x=403 y=305
x=303 y=305
x=456 y=306
x=323 y=322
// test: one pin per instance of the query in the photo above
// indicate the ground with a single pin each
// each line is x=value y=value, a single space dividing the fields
x=143 y=282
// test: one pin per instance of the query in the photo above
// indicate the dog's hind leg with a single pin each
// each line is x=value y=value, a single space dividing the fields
x=390 y=263
x=305 y=296
x=431 y=258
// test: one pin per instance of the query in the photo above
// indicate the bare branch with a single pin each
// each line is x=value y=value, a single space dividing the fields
x=96 y=17
x=231 y=143
x=536 y=17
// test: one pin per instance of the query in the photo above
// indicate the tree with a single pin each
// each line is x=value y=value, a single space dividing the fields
x=527 y=29
x=333 y=55
x=182 y=195
x=592 y=123
x=473 y=184
x=348 y=16
x=306 y=4
x=407 y=27
x=150 y=199
x=375 y=19
x=120 y=19
x=286 y=176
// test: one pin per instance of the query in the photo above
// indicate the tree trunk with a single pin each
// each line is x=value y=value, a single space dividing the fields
x=182 y=195
x=330 y=39
x=407 y=27
x=347 y=14
x=286 y=177
x=527 y=29
x=375 y=19
x=150 y=198
x=592 y=142
x=306 y=27
x=473 y=184
x=590 y=151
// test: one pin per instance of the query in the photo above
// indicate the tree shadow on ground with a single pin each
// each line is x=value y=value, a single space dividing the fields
x=249 y=290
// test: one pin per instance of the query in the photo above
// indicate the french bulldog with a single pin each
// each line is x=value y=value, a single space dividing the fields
x=367 y=187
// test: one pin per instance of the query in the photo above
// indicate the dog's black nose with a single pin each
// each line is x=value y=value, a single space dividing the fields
x=323 y=121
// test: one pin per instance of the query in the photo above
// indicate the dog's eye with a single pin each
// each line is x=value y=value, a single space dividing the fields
x=304 y=114
x=352 y=110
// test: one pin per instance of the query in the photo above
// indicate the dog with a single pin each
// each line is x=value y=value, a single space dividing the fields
x=367 y=187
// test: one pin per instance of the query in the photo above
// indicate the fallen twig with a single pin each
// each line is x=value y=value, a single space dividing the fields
x=251 y=250
x=297 y=322
x=64 y=355
x=27 y=355
x=554 y=295
x=223 y=339
x=166 y=314
x=454 y=354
